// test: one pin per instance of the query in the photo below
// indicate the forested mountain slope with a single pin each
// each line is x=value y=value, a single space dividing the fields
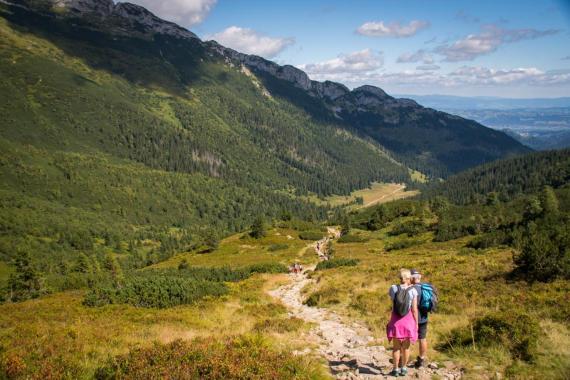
x=119 y=126
x=110 y=136
x=506 y=178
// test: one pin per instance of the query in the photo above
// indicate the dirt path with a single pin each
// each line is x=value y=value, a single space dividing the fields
x=347 y=348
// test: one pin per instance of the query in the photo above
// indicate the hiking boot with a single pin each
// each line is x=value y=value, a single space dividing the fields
x=403 y=371
x=420 y=362
x=395 y=373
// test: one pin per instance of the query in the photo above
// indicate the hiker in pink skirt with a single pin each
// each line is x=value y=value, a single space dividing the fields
x=402 y=329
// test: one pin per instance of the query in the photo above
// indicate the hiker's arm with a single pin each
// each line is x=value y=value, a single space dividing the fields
x=415 y=310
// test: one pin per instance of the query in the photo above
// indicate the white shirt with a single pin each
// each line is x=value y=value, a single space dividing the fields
x=413 y=292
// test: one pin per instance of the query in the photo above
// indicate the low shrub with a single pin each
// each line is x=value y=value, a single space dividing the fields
x=447 y=230
x=232 y=358
x=158 y=292
x=279 y=325
x=410 y=227
x=277 y=247
x=489 y=240
x=466 y=251
x=323 y=297
x=368 y=303
x=162 y=288
x=353 y=239
x=219 y=274
x=401 y=244
x=266 y=268
x=335 y=263
x=516 y=332
x=311 y=235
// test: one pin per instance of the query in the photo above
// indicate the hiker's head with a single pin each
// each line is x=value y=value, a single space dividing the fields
x=405 y=276
x=416 y=276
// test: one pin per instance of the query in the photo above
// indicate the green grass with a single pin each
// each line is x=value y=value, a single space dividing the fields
x=106 y=136
x=470 y=286
x=247 y=357
x=58 y=334
x=376 y=193
x=242 y=250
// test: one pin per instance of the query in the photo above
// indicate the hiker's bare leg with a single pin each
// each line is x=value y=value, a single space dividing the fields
x=423 y=348
x=396 y=353
x=405 y=352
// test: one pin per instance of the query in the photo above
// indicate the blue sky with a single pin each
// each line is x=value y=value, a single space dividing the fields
x=493 y=48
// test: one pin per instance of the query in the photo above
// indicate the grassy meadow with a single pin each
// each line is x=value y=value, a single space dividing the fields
x=471 y=283
x=281 y=245
x=56 y=336
x=375 y=194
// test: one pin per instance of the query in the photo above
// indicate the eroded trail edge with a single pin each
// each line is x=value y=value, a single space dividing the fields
x=349 y=349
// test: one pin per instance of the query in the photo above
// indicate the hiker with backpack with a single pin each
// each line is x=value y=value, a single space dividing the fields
x=427 y=303
x=403 y=326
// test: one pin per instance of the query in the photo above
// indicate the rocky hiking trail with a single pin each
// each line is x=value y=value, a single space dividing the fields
x=348 y=348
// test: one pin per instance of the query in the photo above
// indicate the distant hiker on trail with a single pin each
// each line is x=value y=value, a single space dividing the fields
x=296 y=268
x=427 y=302
x=403 y=326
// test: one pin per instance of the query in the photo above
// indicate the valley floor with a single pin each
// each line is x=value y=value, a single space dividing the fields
x=56 y=336
x=377 y=193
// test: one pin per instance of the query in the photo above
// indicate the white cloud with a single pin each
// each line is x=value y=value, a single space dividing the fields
x=345 y=66
x=488 y=41
x=251 y=42
x=525 y=75
x=393 y=29
x=184 y=12
x=474 y=76
x=430 y=78
x=419 y=56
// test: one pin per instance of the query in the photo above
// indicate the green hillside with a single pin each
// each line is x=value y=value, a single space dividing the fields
x=107 y=141
x=505 y=178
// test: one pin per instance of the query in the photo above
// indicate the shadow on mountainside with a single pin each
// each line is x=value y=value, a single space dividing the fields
x=162 y=61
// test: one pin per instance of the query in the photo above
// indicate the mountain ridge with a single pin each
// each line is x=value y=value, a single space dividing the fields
x=423 y=139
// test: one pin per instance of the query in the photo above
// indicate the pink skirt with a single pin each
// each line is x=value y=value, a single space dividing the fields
x=402 y=328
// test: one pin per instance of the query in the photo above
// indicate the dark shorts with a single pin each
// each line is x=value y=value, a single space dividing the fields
x=422 y=330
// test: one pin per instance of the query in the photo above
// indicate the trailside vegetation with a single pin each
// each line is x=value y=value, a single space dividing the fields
x=242 y=357
x=335 y=263
x=504 y=179
x=171 y=287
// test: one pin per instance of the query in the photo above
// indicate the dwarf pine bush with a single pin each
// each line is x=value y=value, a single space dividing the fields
x=335 y=263
x=171 y=287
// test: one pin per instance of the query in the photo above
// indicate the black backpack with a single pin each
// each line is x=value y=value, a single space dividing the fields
x=402 y=301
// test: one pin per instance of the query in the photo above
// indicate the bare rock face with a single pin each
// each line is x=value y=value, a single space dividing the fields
x=377 y=92
x=129 y=19
x=99 y=7
x=121 y=18
x=141 y=17
x=330 y=90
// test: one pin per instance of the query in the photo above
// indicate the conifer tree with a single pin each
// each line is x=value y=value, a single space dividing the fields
x=113 y=266
x=549 y=201
x=258 y=228
x=26 y=282
x=83 y=265
x=345 y=226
